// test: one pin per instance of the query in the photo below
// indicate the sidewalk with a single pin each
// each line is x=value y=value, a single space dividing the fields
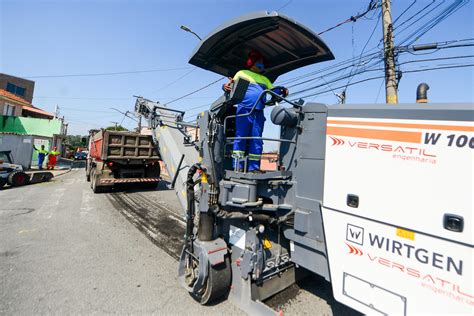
x=63 y=166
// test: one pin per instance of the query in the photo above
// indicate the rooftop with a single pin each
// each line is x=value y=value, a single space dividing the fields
x=26 y=106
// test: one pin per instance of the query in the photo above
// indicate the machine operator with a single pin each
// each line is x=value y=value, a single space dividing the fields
x=251 y=125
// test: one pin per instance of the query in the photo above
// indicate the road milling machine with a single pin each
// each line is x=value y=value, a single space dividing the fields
x=376 y=199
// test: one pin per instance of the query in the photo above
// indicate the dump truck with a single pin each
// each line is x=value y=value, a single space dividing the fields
x=117 y=157
x=374 y=198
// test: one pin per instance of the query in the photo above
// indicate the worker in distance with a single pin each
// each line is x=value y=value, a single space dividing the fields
x=41 y=156
x=252 y=124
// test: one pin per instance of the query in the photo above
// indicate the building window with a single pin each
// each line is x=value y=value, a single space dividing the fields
x=8 y=110
x=15 y=89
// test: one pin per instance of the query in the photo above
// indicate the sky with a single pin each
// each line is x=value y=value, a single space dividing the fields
x=56 y=38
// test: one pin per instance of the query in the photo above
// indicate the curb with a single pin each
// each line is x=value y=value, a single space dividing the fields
x=67 y=171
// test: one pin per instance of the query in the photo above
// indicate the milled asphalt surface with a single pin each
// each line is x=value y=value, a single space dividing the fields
x=64 y=250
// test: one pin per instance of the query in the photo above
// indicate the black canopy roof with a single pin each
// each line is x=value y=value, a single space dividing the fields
x=285 y=44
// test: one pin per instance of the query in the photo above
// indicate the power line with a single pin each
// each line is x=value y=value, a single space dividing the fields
x=366 y=59
x=79 y=98
x=366 y=68
x=433 y=59
x=439 y=68
x=380 y=89
x=178 y=79
x=195 y=91
x=111 y=98
x=432 y=22
x=405 y=11
x=285 y=5
x=106 y=73
x=379 y=77
x=364 y=71
x=84 y=110
x=414 y=15
x=341 y=78
x=372 y=5
x=335 y=80
x=363 y=49
x=341 y=66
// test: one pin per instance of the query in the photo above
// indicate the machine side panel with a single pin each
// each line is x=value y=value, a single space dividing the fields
x=420 y=171
x=308 y=244
x=171 y=147
x=398 y=209
x=370 y=275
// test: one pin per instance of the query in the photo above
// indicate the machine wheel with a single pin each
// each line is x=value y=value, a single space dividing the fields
x=217 y=279
x=217 y=284
x=18 y=178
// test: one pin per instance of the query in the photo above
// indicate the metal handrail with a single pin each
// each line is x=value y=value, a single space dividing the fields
x=262 y=138
x=264 y=92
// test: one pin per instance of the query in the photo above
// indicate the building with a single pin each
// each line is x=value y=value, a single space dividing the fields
x=23 y=125
x=20 y=87
x=13 y=105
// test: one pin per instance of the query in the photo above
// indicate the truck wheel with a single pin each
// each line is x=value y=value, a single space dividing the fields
x=94 y=187
x=88 y=171
x=18 y=178
x=93 y=181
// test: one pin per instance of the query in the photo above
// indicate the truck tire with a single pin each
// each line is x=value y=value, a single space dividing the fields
x=94 y=186
x=18 y=178
x=88 y=171
x=97 y=188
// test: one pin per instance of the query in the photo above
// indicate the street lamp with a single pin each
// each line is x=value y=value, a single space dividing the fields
x=187 y=29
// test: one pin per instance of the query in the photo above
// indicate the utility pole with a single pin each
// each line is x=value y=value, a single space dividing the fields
x=390 y=75
x=139 y=124
x=116 y=123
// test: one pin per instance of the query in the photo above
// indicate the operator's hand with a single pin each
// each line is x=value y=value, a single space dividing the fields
x=281 y=91
x=228 y=86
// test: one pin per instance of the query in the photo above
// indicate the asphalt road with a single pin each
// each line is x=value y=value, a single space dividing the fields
x=65 y=250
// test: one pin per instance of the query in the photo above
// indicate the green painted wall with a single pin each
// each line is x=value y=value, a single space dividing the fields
x=29 y=125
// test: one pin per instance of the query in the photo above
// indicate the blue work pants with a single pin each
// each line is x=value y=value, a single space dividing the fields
x=40 y=161
x=245 y=126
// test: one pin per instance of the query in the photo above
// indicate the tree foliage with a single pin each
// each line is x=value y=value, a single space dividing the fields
x=119 y=128
x=75 y=141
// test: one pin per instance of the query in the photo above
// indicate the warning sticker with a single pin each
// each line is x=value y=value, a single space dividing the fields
x=237 y=237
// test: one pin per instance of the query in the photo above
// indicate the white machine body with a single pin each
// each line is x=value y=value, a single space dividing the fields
x=398 y=208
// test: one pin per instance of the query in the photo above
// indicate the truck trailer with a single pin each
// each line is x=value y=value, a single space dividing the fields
x=376 y=199
x=117 y=157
